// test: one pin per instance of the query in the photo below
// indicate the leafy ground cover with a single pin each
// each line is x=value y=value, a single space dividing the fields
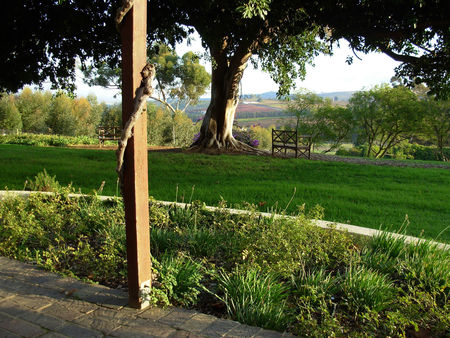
x=281 y=274
x=46 y=140
x=364 y=195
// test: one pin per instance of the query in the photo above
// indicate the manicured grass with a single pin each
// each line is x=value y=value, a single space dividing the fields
x=364 y=195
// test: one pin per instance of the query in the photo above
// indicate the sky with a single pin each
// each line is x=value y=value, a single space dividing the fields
x=330 y=74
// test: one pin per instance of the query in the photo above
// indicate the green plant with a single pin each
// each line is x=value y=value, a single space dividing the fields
x=315 y=299
x=180 y=279
x=164 y=240
x=422 y=265
x=255 y=298
x=44 y=182
x=364 y=288
x=288 y=246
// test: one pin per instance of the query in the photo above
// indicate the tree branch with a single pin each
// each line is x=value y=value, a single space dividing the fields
x=167 y=104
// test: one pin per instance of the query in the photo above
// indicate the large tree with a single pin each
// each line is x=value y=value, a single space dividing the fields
x=283 y=36
x=41 y=39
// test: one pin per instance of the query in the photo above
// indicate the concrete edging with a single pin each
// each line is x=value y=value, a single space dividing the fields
x=352 y=229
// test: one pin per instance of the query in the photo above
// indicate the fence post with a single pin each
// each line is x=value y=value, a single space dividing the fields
x=135 y=187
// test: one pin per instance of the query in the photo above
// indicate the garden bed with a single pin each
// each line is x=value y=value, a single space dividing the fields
x=277 y=273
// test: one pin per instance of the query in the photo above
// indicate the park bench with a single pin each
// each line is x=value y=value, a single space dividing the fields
x=289 y=140
x=108 y=133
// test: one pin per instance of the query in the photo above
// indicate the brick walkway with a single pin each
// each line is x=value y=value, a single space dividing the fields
x=36 y=303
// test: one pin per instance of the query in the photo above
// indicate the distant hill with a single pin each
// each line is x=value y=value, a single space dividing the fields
x=338 y=96
x=335 y=96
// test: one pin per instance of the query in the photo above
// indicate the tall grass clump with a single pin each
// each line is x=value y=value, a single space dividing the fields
x=421 y=265
x=364 y=288
x=255 y=298
x=179 y=277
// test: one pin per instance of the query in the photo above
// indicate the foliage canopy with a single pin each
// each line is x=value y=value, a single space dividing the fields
x=42 y=39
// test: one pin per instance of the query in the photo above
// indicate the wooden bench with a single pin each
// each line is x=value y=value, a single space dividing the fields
x=289 y=140
x=108 y=134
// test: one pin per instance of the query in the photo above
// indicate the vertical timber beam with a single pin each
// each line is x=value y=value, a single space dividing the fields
x=135 y=175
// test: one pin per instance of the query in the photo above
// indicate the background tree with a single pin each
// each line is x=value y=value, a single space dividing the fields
x=302 y=106
x=436 y=123
x=33 y=107
x=81 y=112
x=60 y=118
x=10 y=119
x=386 y=116
x=112 y=116
x=328 y=124
x=96 y=112
x=180 y=81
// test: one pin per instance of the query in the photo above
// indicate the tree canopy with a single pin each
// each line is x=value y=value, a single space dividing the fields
x=414 y=32
x=42 y=38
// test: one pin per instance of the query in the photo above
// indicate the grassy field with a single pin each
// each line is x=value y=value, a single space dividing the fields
x=364 y=195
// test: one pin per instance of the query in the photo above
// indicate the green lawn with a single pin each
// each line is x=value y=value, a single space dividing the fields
x=364 y=195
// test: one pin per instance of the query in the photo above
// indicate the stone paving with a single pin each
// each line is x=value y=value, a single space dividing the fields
x=37 y=303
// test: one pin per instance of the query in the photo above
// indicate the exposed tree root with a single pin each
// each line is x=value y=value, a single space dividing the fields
x=232 y=146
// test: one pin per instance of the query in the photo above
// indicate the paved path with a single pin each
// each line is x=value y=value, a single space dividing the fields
x=37 y=303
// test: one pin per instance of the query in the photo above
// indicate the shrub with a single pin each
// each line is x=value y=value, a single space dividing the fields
x=288 y=246
x=46 y=140
x=255 y=298
x=44 y=182
x=78 y=237
x=263 y=136
x=350 y=152
x=246 y=136
x=401 y=151
x=315 y=300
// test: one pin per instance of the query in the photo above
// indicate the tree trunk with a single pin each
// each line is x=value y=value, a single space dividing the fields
x=217 y=126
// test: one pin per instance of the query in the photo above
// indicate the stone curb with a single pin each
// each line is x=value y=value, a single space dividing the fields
x=352 y=229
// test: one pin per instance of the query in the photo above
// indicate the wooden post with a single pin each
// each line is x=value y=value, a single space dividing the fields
x=135 y=178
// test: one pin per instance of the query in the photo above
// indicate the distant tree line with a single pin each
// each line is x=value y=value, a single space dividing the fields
x=46 y=113
x=378 y=119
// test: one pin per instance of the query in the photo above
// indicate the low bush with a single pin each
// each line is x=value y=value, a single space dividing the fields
x=46 y=140
x=402 y=151
x=354 y=151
